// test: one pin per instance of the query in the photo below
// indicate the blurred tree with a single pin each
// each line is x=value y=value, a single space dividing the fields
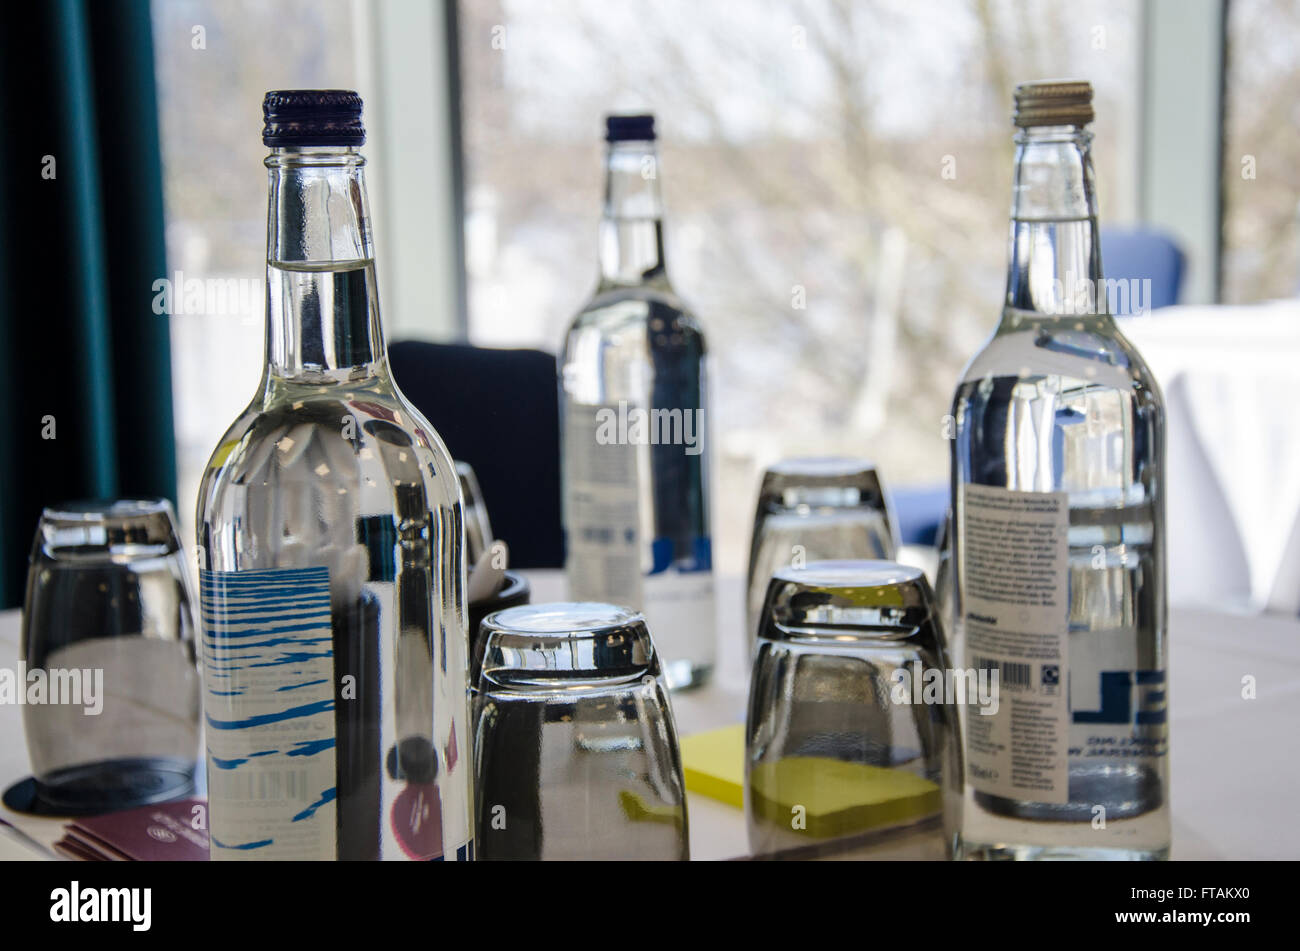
x=1261 y=152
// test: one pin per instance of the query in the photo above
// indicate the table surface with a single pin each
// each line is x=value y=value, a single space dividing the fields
x=1233 y=763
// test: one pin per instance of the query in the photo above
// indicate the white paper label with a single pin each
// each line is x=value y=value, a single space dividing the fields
x=601 y=512
x=268 y=672
x=1015 y=561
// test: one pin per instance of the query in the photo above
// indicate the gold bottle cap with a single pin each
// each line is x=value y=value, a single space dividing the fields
x=1054 y=102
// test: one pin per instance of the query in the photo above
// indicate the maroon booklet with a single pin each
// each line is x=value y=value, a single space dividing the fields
x=161 y=833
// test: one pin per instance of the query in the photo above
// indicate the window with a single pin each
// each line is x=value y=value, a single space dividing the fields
x=836 y=174
x=837 y=179
x=215 y=61
x=1261 y=156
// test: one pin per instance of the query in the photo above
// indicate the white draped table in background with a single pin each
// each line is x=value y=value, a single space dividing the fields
x=1234 y=763
x=1229 y=376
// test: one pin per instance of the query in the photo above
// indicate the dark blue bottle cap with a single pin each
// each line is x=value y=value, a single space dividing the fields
x=630 y=128
x=305 y=117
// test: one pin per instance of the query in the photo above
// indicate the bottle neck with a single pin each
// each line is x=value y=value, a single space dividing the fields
x=631 y=227
x=1055 y=253
x=322 y=305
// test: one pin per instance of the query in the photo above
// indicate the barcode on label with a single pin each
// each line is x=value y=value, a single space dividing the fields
x=280 y=786
x=1010 y=674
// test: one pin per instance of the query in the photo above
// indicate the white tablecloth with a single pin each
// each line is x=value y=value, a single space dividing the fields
x=1235 y=772
x=1228 y=374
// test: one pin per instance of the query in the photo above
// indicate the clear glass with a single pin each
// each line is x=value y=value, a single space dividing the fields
x=514 y=591
x=478 y=529
x=107 y=623
x=943 y=584
x=1058 y=401
x=842 y=755
x=633 y=393
x=815 y=509
x=575 y=746
x=350 y=739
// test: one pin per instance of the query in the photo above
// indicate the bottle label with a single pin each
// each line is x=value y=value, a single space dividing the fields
x=461 y=853
x=601 y=509
x=679 y=610
x=1015 y=590
x=268 y=671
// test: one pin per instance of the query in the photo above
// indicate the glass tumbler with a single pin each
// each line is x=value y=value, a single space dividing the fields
x=815 y=509
x=945 y=594
x=478 y=530
x=849 y=749
x=575 y=748
x=107 y=628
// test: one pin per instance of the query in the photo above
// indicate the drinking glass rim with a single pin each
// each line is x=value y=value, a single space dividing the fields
x=562 y=620
x=822 y=466
x=573 y=644
x=102 y=510
x=850 y=573
x=846 y=601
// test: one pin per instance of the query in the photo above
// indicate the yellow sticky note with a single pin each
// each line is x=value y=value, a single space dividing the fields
x=841 y=798
x=637 y=810
x=713 y=764
x=838 y=798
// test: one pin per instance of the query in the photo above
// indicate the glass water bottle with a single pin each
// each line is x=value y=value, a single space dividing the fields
x=1059 y=541
x=633 y=417
x=331 y=534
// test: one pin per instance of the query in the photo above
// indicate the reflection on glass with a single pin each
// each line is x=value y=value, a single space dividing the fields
x=575 y=746
x=846 y=752
x=478 y=530
x=107 y=633
x=815 y=509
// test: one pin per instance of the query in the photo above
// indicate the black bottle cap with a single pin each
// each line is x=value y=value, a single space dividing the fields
x=306 y=117
x=630 y=128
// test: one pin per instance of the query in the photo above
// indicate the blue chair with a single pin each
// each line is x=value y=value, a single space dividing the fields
x=498 y=410
x=1140 y=254
x=919 y=510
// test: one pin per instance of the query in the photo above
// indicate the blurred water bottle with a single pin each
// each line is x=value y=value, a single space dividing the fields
x=633 y=416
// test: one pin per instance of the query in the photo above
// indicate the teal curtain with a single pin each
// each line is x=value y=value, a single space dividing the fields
x=85 y=363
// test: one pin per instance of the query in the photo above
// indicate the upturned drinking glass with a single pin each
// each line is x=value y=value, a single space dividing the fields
x=815 y=509
x=846 y=750
x=478 y=529
x=943 y=594
x=110 y=676
x=575 y=747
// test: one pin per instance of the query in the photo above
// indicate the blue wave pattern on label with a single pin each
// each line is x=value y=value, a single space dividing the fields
x=268 y=708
